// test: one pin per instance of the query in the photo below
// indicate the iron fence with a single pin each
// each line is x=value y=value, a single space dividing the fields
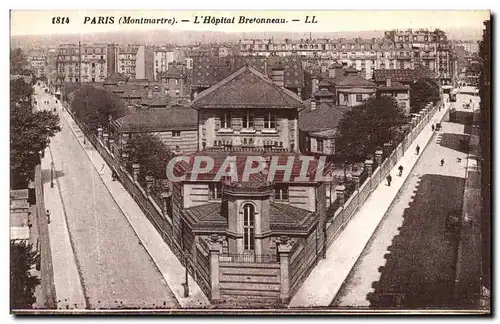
x=249 y=258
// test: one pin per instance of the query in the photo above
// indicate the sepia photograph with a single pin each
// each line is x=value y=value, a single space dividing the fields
x=265 y=162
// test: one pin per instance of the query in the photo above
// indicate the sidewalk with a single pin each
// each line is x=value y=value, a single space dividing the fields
x=170 y=267
x=69 y=292
x=467 y=288
x=326 y=279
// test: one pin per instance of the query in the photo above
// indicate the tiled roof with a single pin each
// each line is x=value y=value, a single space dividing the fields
x=329 y=133
x=172 y=73
x=395 y=85
x=402 y=75
x=323 y=93
x=158 y=102
x=207 y=71
x=247 y=88
x=158 y=119
x=205 y=216
x=288 y=217
x=282 y=217
x=353 y=80
x=324 y=117
x=115 y=78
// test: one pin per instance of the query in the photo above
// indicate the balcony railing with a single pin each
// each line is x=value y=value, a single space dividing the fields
x=249 y=258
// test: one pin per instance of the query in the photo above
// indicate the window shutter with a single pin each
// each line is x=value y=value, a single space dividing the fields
x=236 y=123
x=259 y=123
x=217 y=123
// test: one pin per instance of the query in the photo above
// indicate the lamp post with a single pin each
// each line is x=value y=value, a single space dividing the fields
x=52 y=174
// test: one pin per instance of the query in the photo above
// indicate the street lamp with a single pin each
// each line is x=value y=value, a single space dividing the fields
x=52 y=174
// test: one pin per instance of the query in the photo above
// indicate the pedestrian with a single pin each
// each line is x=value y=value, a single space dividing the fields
x=418 y=149
x=389 y=179
x=400 y=170
x=433 y=127
x=102 y=170
x=48 y=216
x=442 y=162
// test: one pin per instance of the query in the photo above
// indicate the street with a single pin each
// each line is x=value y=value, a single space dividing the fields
x=116 y=270
x=410 y=259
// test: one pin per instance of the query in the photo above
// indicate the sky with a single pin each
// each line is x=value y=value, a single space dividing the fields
x=39 y=22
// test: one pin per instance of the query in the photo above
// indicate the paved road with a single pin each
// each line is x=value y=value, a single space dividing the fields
x=410 y=259
x=116 y=269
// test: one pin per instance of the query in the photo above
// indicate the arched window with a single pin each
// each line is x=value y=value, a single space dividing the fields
x=248 y=227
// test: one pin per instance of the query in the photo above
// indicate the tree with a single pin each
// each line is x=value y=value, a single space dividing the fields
x=423 y=91
x=18 y=62
x=151 y=153
x=95 y=106
x=20 y=91
x=29 y=135
x=367 y=127
x=22 y=283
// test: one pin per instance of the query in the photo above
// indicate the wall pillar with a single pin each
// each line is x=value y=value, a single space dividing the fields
x=149 y=184
x=135 y=171
x=369 y=167
x=355 y=176
x=165 y=195
x=111 y=145
x=378 y=156
x=340 y=190
x=99 y=133
x=124 y=158
x=387 y=147
x=105 y=139
x=284 y=249
x=215 y=250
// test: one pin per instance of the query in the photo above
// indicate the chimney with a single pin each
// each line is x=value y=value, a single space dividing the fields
x=313 y=104
x=388 y=82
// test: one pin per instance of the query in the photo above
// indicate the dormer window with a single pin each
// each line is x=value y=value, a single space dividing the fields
x=281 y=192
x=215 y=191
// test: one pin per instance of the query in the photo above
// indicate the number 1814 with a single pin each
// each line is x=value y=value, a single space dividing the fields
x=60 y=20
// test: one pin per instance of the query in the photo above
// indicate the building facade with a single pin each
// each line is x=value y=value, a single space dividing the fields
x=38 y=62
x=82 y=63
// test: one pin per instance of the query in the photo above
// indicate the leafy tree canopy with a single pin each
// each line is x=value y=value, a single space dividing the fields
x=20 y=91
x=367 y=127
x=151 y=153
x=18 y=62
x=95 y=106
x=423 y=91
x=29 y=135
x=22 y=283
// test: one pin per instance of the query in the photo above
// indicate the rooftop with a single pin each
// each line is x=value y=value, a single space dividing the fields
x=402 y=75
x=247 y=88
x=207 y=71
x=158 y=120
x=282 y=217
x=323 y=117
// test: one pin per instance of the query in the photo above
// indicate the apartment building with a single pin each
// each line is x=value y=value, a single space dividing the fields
x=82 y=62
x=38 y=62
x=398 y=49
x=136 y=62
x=164 y=58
